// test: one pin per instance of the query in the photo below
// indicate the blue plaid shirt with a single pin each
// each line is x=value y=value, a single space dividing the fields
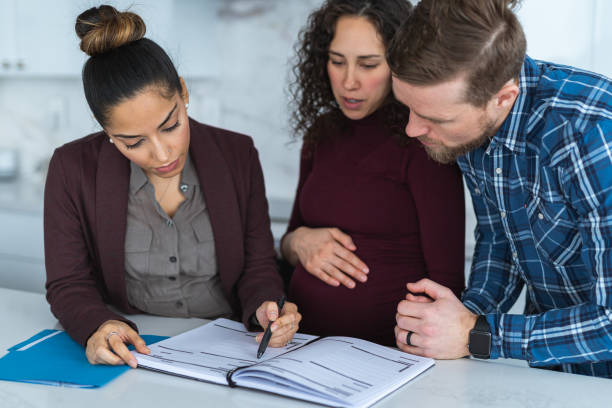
x=542 y=194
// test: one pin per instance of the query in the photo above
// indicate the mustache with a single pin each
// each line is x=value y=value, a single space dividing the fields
x=426 y=140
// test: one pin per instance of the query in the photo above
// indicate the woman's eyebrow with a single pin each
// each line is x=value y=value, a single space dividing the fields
x=159 y=127
x=338 y=54
x=168 y=117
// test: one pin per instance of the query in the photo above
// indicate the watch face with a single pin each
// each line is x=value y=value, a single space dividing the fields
x=480 y=344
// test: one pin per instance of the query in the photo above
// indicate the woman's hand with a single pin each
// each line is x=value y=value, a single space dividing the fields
x=327 y=253
x=107 y=344
x=283 y=327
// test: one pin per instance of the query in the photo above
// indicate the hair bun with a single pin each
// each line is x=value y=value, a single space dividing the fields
x=103 y=28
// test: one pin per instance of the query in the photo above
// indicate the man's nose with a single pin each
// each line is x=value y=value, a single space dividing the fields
x=416 y=126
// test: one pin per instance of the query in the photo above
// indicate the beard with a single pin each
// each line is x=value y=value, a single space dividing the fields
x=445 y=155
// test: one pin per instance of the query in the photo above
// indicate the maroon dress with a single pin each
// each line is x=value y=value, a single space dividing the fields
x=404 y=212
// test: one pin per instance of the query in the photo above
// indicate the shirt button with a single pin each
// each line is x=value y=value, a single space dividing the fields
x=498 y=170
x=541 y=216
x=184 y=188
x=172 y=259
x=514 y=254
x=172 y=278
x=476 y=191
x=503 y=214
x=179 y=304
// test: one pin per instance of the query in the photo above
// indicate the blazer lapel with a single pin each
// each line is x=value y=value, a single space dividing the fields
x=112 y=189
x=222 y=202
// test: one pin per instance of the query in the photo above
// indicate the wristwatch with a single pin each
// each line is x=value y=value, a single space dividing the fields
x=480 y=339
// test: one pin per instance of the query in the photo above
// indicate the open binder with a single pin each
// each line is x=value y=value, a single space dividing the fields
x=333 y=371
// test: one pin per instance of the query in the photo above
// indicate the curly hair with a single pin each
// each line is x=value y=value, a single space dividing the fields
x=314 y=105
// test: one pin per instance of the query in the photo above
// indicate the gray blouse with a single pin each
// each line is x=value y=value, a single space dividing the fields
x=170 y=263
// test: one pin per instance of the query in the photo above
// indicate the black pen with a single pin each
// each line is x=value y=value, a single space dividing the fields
x=268 y=333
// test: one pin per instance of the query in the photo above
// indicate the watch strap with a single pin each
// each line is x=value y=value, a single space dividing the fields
x=479 y=344
x=482 y=325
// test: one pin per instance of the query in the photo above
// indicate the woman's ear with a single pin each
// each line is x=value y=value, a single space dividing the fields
x=184 y=91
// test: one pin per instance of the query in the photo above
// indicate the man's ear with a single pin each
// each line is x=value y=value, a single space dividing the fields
x=505 y=97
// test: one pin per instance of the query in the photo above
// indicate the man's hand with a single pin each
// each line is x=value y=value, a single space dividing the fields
x=440 y=324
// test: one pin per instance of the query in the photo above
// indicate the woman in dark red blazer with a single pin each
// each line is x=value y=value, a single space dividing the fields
x=129 y=82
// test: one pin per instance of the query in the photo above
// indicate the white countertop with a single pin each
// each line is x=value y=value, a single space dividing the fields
x=458 y=383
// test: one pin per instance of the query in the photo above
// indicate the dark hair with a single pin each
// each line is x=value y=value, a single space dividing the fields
x=443 y=39
x=122 y=62
x=311 y=90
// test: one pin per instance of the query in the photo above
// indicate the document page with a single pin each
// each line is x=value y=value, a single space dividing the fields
x=343 y=371
x=209 y=352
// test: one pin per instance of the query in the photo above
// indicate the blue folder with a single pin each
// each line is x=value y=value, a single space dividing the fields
x=51 y=357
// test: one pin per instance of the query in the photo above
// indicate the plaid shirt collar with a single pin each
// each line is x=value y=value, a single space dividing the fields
x=513 y=130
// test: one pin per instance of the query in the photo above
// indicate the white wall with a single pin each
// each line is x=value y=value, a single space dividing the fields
x=235 y=55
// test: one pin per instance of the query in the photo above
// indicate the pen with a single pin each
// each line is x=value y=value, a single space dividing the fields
x=268 y=333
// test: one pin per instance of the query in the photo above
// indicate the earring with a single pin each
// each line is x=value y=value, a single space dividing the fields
x=110 y=140
x=187 y=106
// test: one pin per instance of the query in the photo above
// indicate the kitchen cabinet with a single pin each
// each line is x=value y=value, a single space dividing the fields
x=22 y=261
x=8 y=45
x=37 y=37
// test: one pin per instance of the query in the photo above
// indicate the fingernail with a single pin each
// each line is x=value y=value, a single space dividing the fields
x=363 y=278
x=366 y=270
x=351 y=285
x=148 y=350
x=133 y=363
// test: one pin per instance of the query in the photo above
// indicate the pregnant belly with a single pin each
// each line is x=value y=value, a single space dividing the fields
x=368 y=310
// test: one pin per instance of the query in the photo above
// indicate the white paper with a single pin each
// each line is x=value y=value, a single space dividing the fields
x=334 y=371
x=209 y=352
x=346 y=371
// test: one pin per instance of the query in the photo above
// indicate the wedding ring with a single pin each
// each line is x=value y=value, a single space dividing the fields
x=408 y=335
x=113 y=333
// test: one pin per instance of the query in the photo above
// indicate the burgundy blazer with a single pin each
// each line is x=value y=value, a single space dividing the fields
x=85 y=216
